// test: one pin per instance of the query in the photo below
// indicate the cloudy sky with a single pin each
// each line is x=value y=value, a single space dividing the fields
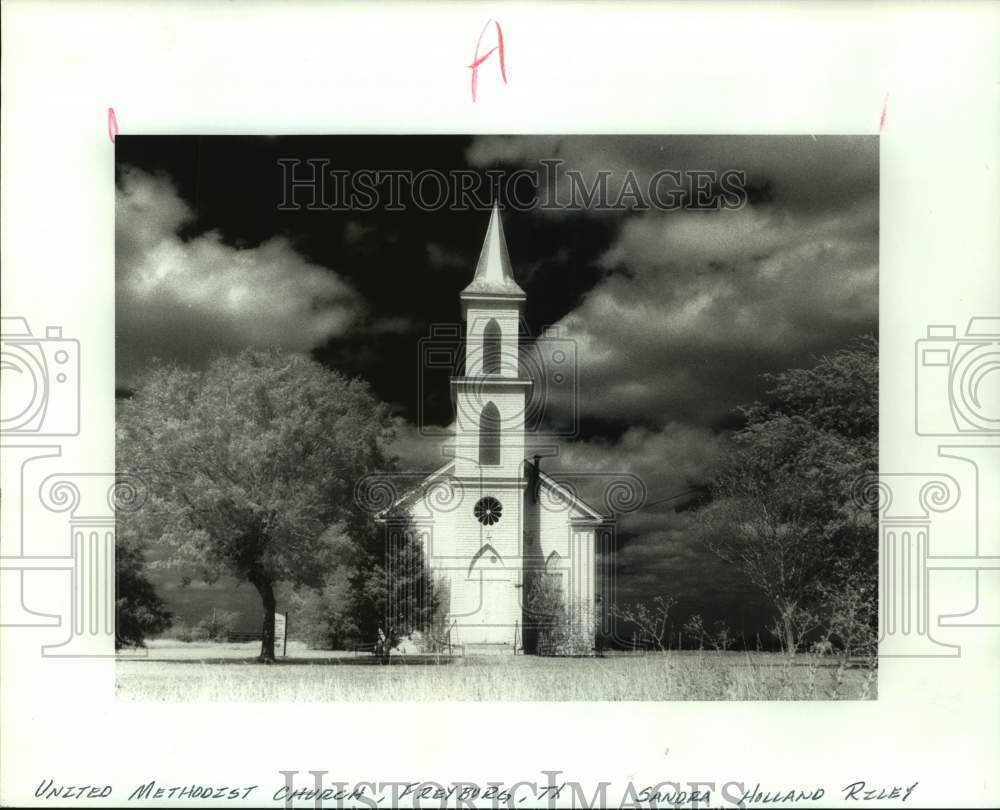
x=674 y=315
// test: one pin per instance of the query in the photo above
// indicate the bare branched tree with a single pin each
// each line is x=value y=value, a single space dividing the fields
x=649 y=619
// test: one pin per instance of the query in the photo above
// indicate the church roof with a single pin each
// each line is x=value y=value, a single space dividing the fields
x=494 y=277
x=585 y=512
x=570 y=497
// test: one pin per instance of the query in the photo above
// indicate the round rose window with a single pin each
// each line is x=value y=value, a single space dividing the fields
x=487 y=510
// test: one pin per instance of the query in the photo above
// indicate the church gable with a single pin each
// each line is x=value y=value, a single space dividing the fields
x=419 y=501
x=552 y=497
x=555 y=497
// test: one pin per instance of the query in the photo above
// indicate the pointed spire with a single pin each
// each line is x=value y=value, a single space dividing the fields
x=494 y=277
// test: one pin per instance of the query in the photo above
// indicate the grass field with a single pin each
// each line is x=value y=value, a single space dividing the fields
x=173 y=671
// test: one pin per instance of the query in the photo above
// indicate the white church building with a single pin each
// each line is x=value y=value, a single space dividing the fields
x=491 y=522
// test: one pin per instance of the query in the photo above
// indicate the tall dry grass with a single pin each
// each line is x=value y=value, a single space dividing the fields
x=668 y=676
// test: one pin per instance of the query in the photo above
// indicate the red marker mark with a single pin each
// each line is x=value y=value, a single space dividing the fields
x=112 y=124
x=477 y=60
x=885 y=105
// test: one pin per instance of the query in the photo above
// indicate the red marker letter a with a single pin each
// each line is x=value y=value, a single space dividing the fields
x=477 y=60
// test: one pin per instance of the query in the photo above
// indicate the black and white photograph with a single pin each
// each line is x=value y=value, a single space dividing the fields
x=494 y=405
x=586 y=418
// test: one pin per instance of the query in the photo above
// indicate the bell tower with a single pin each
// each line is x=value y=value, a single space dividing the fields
x=491 y=397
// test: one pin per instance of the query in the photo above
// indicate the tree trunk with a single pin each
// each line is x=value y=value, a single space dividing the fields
x=789 y=636
x=266 y=591
x=786 y=614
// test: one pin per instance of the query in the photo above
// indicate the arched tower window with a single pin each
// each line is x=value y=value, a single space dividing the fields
x=489 y=436
x=491 y=348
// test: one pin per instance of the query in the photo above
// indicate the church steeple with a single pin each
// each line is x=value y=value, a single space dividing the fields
x=491 y=396
x=494 y=277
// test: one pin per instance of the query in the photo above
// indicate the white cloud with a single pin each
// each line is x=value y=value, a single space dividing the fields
x=418 y=450
x=691 y=298
x=187 y=299
x=668 y=461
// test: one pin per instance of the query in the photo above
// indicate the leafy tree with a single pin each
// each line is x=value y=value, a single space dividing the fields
x=325 y=615
x=375 y=586
x=399 y=595
x=251 y=466
x=784 y=506
x=139 y=611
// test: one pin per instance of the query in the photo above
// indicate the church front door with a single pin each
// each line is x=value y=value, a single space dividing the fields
x=492 y=619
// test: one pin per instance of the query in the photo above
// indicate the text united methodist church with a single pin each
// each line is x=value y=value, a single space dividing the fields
x=492 y=524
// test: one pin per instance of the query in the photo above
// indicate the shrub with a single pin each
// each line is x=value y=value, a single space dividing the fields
x=217 y=627
x=648 y=620
x=435 y=640
x=558 y=633
x=324 y=617
x=139 y=610
x=381 y=588
x=720 y=637
x=182 y=632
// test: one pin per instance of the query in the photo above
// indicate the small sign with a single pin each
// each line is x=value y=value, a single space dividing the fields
x=281 y=632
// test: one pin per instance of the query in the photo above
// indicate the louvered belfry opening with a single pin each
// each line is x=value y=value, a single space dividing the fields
x=491 y=347
x=489 y=435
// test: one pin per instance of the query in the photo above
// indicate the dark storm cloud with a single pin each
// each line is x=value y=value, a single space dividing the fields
x=693 y=306
x=805 y=173
x=440 y=257
x=690 y=309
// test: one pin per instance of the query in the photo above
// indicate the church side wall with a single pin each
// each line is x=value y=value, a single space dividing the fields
x=574 y=545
